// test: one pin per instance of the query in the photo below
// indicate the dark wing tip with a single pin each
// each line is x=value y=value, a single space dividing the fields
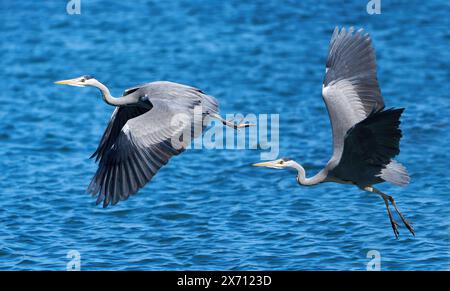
x=127 y=168
x=378 y=136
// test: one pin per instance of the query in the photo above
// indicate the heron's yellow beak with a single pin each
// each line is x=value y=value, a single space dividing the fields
x=265 y=164
x=71 y=82
x=63 y=82
x=276 y=164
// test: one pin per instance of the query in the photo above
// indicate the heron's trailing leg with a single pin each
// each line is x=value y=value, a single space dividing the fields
x=393 y=222
x=405 y=221
x=229 y=123
x=389 y=198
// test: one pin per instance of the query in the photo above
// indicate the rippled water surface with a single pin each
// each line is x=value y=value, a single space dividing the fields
x=208 y=209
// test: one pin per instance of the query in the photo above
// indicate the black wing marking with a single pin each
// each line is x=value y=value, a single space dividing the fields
x=369 y=146
x=118 y=119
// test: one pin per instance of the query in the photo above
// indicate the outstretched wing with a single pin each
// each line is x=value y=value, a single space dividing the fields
x=146 y=142
x=119 y=117
x=369 y=149
x=350 y=87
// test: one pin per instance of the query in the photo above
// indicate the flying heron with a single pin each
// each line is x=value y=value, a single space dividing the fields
x=146 y=129
x=366 y=137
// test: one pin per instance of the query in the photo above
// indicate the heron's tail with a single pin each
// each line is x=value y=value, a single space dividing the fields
x=395 y=173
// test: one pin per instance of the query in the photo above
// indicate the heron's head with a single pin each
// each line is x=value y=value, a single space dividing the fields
x=82 y=81
x=276 y=164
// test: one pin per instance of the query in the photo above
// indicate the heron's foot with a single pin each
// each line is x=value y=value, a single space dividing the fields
x=241 y=125
x=231 y=123
x=387 y=199
x=404 y=220
x=237 y=125
x=409 y=226
x=394 y=225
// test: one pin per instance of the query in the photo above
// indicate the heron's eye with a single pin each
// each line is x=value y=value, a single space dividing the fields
x=82 y=80
x=281 y=162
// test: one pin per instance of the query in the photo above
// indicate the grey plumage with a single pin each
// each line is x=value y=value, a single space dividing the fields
x=150 y=124
x=395 y=173
x=366 y=138
x=355 y=106
x=138 y=140
x=369 y=147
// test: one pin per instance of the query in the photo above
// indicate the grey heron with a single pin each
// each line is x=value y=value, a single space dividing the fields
x=145 y=130
x=366 y=137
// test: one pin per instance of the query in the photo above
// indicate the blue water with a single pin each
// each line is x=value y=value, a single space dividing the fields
x=208 y=209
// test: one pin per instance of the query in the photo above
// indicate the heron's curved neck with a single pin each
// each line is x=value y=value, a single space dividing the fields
x=303 y=180
x=121 y=101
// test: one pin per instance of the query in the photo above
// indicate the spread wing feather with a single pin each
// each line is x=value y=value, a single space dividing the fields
x=138 y=142
x=350 y=87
